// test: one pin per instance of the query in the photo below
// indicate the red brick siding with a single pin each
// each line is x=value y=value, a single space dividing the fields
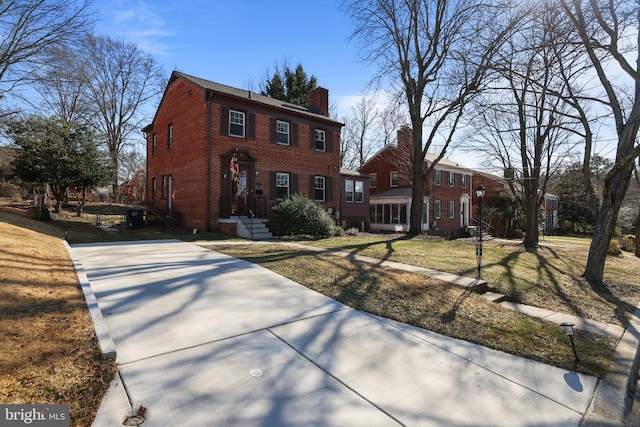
x=186 y=162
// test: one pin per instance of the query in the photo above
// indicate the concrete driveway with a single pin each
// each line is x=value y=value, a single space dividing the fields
x=204 y=339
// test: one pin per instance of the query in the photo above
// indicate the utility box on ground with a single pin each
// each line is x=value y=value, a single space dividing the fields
x=134 y=217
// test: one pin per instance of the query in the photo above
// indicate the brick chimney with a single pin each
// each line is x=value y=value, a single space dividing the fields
x=318 y=101
x=405 y=135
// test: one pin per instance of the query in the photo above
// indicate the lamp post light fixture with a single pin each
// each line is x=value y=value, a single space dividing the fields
x=568 y=330
x=480 y=191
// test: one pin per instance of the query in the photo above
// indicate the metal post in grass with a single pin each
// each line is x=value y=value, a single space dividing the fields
x=568 y=330
x=480 y=191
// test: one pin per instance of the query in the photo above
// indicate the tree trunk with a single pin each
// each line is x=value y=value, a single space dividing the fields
x=638 y=235
x=531 y=222
x=605 y=226
x=417 y=205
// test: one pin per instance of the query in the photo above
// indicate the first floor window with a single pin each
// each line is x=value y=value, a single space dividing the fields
x=154 y=188
x=236 y=123
x=437 y=209
x=319 y=189
x=282 y=185
x=348 y=191
x=282 y=132
x=320 y=140
x=165 y=185
x=452 y=209
x=359 y=191
x=391 y=213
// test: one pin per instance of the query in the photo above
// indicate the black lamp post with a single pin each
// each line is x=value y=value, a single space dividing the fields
x=568 y=330
x=480 y=193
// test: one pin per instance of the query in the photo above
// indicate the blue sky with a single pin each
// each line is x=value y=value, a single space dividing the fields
x=237 y=42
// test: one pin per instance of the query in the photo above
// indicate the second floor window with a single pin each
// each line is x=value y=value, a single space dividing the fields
x=437 y=177
x=236 y=123
x=348 y=191
x=452 y=179
x=282 y=132
x=373 y=180
x=170 y=137
x=320 y=189
x=320 y=140
x=154 y=145
x=464 y=181
x=393 y=179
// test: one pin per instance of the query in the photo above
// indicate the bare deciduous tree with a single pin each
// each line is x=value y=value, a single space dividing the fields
x=358 y=137
x=527 y=128
x=122 y=79
x=29 y=29
x=435 y=53
x=608 y=32
x=62 y=86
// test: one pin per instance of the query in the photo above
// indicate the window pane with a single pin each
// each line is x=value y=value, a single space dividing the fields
x=282 y=132
x=282 y=185
x=373 y=180
x=348 y=190
x=236 y=123
x=359 y=191
x=320 y=140
x=319 y=188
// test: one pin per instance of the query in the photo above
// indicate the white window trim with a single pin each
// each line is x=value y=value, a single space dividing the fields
x=356 y=192
x=323 y=139
x=391 y=184
x=288 y=186
x=346 y=191
x=437 y=209
x=243 y=124
x=452 y=179
x=437 y=177
x=373 y=184
x=451 y=209
x=287 y=133
x=323 y=188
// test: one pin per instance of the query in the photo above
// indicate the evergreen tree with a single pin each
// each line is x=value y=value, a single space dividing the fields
x=62 y=155
x=290 y=85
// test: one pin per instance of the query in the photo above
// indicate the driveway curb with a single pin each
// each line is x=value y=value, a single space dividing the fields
x=107 y=347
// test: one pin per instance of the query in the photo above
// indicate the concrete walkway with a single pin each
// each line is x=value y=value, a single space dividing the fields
x=204 y=339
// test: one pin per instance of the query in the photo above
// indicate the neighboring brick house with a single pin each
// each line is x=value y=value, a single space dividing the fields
x=134 y=190
x=354 y=199
x=449 y=192
x=279 y=149
x=550 y=207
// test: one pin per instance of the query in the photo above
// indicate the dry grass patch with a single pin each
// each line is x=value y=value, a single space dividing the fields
x=422 y=301
x=548 y=277
x=48 y=349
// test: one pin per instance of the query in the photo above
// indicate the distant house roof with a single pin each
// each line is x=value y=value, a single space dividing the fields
x=252 y=96
x=394 y=193
x=349 y=172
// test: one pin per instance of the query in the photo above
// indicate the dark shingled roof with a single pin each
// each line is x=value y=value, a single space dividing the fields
x=255 y=97
x=394 y=193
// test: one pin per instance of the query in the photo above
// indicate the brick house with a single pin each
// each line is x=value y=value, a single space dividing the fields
x=354 y=199
x=218 y=156
x=133 y=191
x=449 y=194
